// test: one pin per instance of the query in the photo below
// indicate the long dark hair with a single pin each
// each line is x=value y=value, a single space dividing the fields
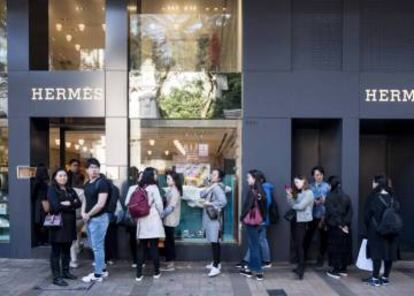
x=258 y=177
x=383 y=184
x=42 y=174
x=148 y=177
x=177 y=180
x=54 y=183
x=335 y=184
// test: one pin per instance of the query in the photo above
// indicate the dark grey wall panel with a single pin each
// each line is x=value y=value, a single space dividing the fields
x=317 y=34
x=387 y=81
x=301 y=94
x=351 y=40
x=19 y=190
x=267 y=147
x=267 y=35
x=117 y=32
x=387 y=42
x=18 y=34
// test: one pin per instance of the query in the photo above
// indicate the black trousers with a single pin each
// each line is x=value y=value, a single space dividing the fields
x=215 y=247
x=377 y=267
x=132 y=232
x=169 y=243
x=300 y=232
x=322 y=242
x=155 y=256
x=111 y=242
x=59 y=259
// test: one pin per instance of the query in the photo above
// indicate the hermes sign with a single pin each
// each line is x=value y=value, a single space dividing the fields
x=389 y=95
x=67 y=94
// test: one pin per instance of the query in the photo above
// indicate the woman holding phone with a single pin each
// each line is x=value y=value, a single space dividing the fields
x=301 y=199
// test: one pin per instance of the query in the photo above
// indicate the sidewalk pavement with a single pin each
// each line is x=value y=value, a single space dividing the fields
x=32 y=278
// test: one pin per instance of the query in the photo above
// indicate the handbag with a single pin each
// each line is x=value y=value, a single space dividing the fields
x=253 y=217
x=53 y=220
x=212 y=213
x=290 y=215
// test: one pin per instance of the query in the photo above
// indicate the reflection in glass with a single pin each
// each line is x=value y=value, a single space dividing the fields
x=76 y=34
x=185 y=59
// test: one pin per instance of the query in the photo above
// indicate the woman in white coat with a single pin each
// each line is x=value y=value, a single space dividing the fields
x=149 y=228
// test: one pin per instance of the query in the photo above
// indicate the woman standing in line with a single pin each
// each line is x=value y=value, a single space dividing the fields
x=171 y=217
x=301 y=199
x=338 y=218
x=212 y=220
x=253 y=216
x=63 y=201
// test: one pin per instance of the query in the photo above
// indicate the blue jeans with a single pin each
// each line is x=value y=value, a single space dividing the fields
x=97 y=228
x=255 y=262
x=264 y=246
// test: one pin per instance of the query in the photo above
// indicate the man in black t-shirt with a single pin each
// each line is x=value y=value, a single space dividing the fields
x=96 y=219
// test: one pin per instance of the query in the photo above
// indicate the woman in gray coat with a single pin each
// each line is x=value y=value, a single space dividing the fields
x=215 y=201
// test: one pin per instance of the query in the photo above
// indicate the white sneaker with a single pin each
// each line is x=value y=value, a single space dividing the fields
x=105 y=274
x=138 y=279
x=92 y=278
x=211 y=265
x=73 y=264
x=214 y=272
x=157 y=275
x=134 y=265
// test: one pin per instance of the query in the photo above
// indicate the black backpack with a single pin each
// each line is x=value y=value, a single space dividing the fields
x=113 y=195
x=391 y=223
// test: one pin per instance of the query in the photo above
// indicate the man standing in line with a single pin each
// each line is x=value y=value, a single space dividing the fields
x=95 y=216
x=320 y=191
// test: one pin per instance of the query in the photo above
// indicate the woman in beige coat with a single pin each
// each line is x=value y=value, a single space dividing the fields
x=149 y=228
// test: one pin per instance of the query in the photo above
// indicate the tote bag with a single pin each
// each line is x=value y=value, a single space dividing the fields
x=363 y=262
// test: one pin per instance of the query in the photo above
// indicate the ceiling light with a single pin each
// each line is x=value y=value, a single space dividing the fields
x=167 y=152
x=81 y=142
x=81 y=27
x=59 y=27
x=68 y=144
x=77 y=146
x=85 y=149
x=149 y=152
x=152 y=142
x=69 y=37
x=57 y=142
x=77 y=47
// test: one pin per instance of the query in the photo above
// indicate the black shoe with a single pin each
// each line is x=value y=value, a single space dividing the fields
x=242 y=264
x=69 y=276
x=246 y=273
x=384 y=281
x=372 y=282
x=259 y=277
x=60 y=282
x=295 y=270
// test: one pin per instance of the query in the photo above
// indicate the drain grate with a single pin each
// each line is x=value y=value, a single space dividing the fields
x=277 y=292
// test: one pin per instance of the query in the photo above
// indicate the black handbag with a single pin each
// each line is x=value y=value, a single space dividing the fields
x=212 y=213
x=290 y=215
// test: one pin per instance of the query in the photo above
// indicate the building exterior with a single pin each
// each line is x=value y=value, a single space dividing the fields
x=277 y=85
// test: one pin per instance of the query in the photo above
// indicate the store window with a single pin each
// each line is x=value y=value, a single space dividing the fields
x=67 y=34
x=185 y=99
x=4 y=150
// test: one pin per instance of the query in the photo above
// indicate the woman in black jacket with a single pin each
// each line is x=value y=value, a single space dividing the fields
x=380 y=248
x=338 y=218
x=254 y=206
x=63 y=200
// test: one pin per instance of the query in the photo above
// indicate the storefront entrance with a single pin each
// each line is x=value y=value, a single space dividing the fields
x=55 y=142
x=386 y=147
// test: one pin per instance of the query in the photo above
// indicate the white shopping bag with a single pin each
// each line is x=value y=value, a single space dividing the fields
x=363 y=262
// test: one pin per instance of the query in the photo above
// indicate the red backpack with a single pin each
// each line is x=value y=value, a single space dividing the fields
x=138 y=206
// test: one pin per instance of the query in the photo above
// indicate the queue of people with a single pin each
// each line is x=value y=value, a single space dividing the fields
x=320 y=208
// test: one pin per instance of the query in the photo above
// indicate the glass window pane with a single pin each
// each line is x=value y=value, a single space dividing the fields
x=185 y=59
x=76 y=34
x=194 y=148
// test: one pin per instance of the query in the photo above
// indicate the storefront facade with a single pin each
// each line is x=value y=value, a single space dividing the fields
x=275 y=85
